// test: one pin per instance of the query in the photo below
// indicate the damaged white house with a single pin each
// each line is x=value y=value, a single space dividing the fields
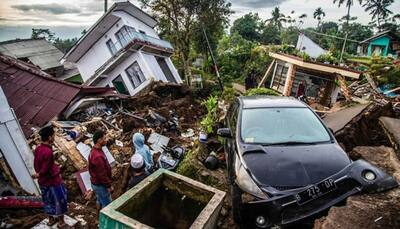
x=123 y=50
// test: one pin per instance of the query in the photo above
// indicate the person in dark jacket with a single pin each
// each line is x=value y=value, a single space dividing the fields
x=100 y=170
x=54 y=193
x=138 y=170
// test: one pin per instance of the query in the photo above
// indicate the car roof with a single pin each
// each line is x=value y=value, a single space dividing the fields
x=269 y=101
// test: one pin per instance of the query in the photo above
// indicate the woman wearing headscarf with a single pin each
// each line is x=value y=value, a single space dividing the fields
x=142 y=149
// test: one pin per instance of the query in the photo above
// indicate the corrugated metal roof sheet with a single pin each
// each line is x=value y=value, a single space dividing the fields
x=35 y=96
x=39 y=51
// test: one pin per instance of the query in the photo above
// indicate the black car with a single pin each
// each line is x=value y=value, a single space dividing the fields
x=281 y=153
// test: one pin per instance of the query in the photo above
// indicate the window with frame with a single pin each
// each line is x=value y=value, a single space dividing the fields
x=111 y=46
x=119 y=85
x=125 y=35
x=135 y=74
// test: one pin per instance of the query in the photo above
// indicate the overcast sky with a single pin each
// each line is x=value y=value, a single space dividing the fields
x=67 y=18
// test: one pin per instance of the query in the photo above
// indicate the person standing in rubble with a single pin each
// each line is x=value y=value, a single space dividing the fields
x=100 y=170
x=143 y=149
x=54 y=193
x=138 y=170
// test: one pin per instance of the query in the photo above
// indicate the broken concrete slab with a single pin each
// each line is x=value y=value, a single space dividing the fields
x=364 y=128
x=181 y=203
x=338 y=120
x=381 y=210
x=391 y=126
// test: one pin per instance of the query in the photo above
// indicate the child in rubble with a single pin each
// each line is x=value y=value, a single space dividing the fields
x=137 y=171
x=143 y=150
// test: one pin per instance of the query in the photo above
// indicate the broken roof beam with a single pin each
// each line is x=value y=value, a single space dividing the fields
x=327 y=68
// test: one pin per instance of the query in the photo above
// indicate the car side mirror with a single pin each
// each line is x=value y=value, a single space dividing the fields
x=224 y=132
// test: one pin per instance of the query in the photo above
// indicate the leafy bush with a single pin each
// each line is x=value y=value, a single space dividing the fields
x=229 y=94
x=208 y=122
x=328 y=57
x=261 y=91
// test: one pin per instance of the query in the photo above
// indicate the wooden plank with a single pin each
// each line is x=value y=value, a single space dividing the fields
x=266 y=74
x=70 y=150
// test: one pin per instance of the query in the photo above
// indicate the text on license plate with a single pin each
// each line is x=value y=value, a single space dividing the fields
x=315 y=191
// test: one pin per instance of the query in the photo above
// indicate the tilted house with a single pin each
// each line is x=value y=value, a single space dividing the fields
x=123 y=50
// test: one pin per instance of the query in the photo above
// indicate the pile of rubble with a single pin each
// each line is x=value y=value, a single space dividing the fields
x=367 y=90
x=167 y=115
x=370 y=132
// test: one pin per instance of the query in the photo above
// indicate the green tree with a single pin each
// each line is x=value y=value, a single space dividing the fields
x=379 y=10
x=42 y=33
x=357 y=32
x=178 y=20
x=212 y=20
x=289 y=35
x=319 y=14
x=301 y=17
x=349 y=4
x=233 y=53
x=270 y=34
x=64 y=45
x=277 y=18
x=248 y=26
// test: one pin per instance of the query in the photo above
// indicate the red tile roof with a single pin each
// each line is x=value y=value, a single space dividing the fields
x=35 y=96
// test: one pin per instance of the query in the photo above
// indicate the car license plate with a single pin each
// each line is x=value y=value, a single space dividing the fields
x=315 y=191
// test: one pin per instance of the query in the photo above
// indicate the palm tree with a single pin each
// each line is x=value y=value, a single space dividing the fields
x=378 y=9
x=277 y=18
x=349 y=3
x=319 y=14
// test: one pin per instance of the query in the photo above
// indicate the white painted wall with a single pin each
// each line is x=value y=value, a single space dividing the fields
x=15 y=149
x=120 y=70
x=154 y=67
x=98 y=54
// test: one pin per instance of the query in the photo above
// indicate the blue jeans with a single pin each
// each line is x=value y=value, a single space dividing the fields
x=102 y=194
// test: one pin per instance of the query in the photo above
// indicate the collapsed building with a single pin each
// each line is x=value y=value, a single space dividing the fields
x=30 y=99
x=123 y=50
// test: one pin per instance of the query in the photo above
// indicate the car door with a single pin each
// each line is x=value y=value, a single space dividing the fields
x=230 y=150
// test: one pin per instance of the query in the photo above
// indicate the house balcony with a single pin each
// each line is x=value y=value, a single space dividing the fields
x=133 y=42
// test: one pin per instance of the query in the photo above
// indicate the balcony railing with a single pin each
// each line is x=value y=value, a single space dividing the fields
x=131 y=36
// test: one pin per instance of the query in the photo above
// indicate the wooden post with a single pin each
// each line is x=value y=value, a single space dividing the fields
x=266 y=74
x=289 y=80
x=344 y=88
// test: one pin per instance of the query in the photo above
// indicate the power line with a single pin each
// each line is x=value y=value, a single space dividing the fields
x=341 y=38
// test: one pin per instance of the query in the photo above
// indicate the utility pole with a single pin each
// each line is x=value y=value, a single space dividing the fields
x=343 y=48
x=213 y=59
x=105 y=6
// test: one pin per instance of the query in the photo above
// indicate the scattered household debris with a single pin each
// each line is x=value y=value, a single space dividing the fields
x=161 y=114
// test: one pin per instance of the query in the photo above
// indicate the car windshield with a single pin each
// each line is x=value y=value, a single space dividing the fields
x=282 y=126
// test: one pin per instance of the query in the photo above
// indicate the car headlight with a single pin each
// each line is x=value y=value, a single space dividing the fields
x=245 y=182
x=368 y=175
